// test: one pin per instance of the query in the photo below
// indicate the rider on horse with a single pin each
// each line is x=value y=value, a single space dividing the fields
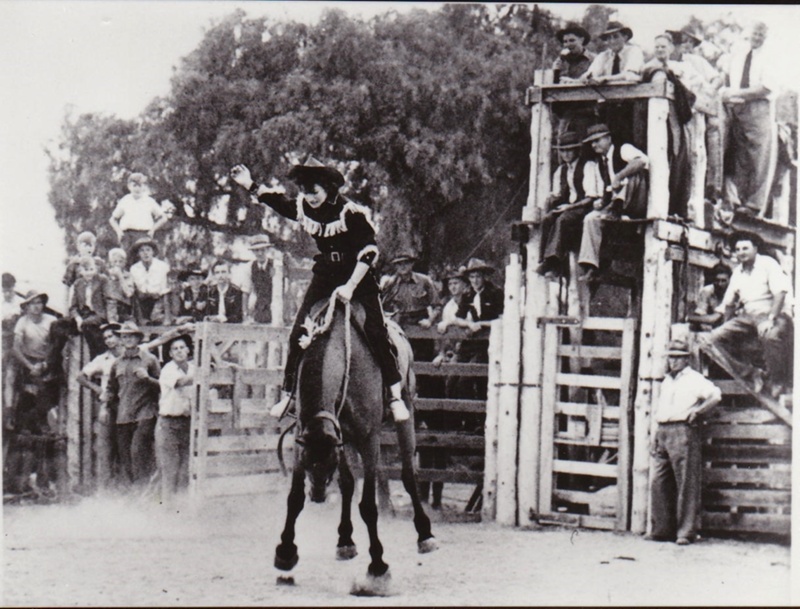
x=345 y=236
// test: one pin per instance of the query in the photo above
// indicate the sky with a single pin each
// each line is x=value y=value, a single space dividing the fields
x=113 y=57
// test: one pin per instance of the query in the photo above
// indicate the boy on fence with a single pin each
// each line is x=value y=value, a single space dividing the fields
x=137 y=215
x=120 y=287
x=85 y=244
x=150 y=277
x=675 y=494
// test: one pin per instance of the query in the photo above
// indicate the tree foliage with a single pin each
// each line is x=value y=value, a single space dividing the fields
x=423 y=112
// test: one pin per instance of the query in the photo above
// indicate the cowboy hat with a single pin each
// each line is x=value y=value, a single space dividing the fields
x=130 y=327
x=195 y=271
x=452 y=272
x=573 y=28
x=678 y=348
x=33 y=295
x=615 y=26
x=595 y=132
x=404 y=257
x=141 y=242
x=114 y=327
x=260 y=242
x=688 y=36
x=314 y=172
x=568 y=141
x=477 y=265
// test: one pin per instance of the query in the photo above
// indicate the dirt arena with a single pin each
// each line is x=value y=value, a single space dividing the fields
x=110 y=551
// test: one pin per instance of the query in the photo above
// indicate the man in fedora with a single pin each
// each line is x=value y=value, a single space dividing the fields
x=574 y=59
x=410 y=295
x=345 y=235
x=763 y=293
x=193 y=304
x=623 y=170
x=259 y=281
x=621 y=62
x=133 y=395
x=151 y=282
x=576 y=184
x=677 y=475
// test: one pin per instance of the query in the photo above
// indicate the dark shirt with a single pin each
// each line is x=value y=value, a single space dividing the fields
x=410 y=297
x=343 y=232
x=576 y=64
x=132 y=398
x=233 y=304
x=261 y=280
x=96 y=309
x=194 y=305
x=492 y=301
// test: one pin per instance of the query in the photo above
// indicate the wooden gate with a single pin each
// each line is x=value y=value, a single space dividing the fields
x=587 y=393
x=233 y=437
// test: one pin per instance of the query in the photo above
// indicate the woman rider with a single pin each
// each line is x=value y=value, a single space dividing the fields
x=345 y=236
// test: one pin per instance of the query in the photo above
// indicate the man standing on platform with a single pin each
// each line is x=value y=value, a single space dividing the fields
x=749 y=150
x=260 y=281
x=677 y=475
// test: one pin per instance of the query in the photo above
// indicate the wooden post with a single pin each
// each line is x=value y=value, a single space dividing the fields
x=624 y=475
x=198 y=453
x=656 y=314
x=699 y=163
x=73 y=427
x=541 y=136
x=489 y=508
x=507 y=423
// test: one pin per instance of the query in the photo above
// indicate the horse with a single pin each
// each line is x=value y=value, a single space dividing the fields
x=340 y=401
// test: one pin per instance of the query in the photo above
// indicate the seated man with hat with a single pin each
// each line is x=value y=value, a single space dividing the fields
x=345 y=236
x=677 y=448
x=411 y=296
x=621 y=62
x=574 y=59
x=193 y=304
x=623 y=170
x=762 y=291
x=150 y=278
x=576 y=184
x=258 y=280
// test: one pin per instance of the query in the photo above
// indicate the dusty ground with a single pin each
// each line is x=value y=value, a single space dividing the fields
x=107 y=551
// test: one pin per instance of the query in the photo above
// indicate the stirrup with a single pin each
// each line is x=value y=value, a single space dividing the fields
x=281 y=407
x=399 y=410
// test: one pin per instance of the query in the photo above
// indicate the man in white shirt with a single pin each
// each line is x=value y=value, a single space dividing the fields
x=174 y=418
x=749 y=150
x=137 y=214
x=763 y=292
x=621 y=62
x=151 y=299
x=677 y=448
x=623 y=170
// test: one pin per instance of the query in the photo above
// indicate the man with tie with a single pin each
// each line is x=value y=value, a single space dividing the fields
x=259 y=281
x=621 y=62
x=576 y=184
x=749 y=151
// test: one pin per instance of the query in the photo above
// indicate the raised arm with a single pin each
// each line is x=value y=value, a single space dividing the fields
x=277 y=201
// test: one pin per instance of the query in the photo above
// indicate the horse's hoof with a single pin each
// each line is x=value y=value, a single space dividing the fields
x=284 y=580
x=346 y=552
x=286 y=564
x=373 y=585
x=428 y=545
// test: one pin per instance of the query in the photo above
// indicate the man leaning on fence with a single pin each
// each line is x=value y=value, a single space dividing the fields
x=677 y=475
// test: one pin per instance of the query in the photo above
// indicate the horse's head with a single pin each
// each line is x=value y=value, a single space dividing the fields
x=321 y=441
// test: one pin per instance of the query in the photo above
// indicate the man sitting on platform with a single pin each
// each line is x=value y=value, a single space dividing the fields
x=709 y=312
x=623 y=169
x=621 y=62
x=763 y=291
x=576 y=184
x=574 y=60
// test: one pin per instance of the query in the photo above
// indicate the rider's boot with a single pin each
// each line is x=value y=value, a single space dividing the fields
x=396 y=404
x=278 y=409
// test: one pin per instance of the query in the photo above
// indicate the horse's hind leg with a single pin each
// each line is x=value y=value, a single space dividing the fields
x=426 y=542
x=346 y=547
x=286 y=553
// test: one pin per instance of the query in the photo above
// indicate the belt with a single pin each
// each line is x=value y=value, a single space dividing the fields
x=335 y=257
x=673 y=422
x=175 y=416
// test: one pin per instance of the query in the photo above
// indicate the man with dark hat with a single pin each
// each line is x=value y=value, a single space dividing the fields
x=193 y=304
x=621 y=62
x=345 y=236
x=259 y=280
x=576 y=184
x=763 y=293
x=574 y=59
x=623 y=170
x=151 y=279
x=133 y=395
x=410 y=295
x=675 y=493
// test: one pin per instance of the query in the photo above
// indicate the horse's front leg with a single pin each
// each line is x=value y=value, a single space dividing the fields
x=426 y=542
x=368 y=508
x=346 y=547
x=286 y=553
